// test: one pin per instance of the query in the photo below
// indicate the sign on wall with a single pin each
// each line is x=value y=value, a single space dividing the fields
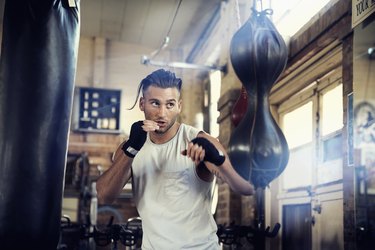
x=361 y=9
x=96 y=110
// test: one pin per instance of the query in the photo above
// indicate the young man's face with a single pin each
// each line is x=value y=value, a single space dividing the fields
x=161 y=106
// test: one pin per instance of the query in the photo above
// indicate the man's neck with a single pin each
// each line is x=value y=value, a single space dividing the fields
x=160 y=138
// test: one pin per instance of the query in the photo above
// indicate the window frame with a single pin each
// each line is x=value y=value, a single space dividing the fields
x=314 y=92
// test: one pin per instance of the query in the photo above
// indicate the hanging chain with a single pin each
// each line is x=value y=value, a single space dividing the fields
x=238 y=14
x=174 y=18
x=166 y=38
x=261 y=12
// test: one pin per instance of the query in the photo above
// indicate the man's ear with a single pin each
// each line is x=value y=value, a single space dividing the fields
x=180 y=105
x=142 y=104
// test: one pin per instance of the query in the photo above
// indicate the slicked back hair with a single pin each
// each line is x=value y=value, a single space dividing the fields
x=159 y=78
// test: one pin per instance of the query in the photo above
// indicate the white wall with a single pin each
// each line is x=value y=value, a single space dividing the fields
x=121 y=67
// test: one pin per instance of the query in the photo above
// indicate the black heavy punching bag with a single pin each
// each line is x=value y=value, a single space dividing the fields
x=37 y=71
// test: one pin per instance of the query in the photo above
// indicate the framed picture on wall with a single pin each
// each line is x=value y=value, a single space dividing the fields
x=365 y=170
x=364 y=117
x=368 y=163
x=97 y=109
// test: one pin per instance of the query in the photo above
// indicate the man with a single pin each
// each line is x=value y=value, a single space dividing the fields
x=172 y=167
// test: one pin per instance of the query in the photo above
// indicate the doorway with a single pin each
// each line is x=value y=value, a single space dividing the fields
x=297 y=227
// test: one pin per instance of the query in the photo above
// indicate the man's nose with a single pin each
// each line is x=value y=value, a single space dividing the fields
x=162 y=111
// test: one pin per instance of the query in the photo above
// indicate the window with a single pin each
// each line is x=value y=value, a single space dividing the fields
x=312 y=123
x=298 y=132
x=298 y=126
x=330 y=139
x=331 y=114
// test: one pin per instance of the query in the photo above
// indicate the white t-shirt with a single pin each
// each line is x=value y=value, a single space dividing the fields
x=173 y=202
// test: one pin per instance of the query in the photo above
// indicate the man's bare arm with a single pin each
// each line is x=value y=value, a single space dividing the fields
x=109 y=185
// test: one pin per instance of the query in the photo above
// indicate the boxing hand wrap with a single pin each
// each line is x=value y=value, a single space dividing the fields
x=136 y=140
x=211 y=153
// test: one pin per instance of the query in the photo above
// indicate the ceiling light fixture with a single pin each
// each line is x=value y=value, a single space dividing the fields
x=147 y=61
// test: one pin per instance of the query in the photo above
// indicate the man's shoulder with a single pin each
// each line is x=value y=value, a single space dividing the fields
x=188 y=126
x=193 y=132
x=190 y=131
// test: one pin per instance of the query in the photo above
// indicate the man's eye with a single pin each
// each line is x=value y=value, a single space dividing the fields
x=155 y=104
x=170 y=105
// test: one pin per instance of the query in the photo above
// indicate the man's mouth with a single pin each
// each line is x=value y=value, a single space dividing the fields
x=161 y=123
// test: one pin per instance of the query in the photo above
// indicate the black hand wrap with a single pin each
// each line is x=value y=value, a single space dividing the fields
x=211 y=153
x=136 y=140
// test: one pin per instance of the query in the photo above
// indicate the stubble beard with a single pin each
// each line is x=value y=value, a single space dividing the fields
x=170 y=125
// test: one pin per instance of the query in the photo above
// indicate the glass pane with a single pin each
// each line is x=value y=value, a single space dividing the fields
x=297 y=126
x=332 y=112
x=299 y=169
x=332 y=148
x=329 y=171
x=298 y=131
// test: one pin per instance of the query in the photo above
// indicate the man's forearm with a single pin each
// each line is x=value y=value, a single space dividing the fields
x=235 y=181
x=227 y=173
x=111 y=182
